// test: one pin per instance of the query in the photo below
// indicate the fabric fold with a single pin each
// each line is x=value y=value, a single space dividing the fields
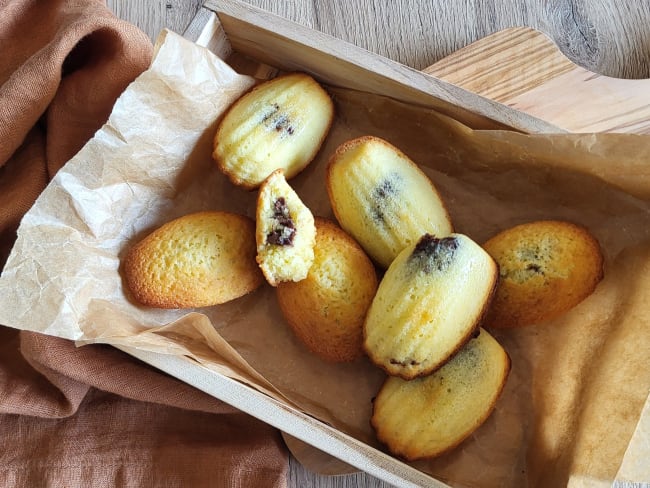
x=94 y=416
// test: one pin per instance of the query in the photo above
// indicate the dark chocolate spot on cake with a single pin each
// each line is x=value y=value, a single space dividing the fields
x=276 y=120
x=275 y=108
x=530 y=262
x=385 y=188
x=433 y=254
x=469 y=356
x=529 y=254
x=535 y=268
x=284 y=229
x=381 y=196
x=406 y=362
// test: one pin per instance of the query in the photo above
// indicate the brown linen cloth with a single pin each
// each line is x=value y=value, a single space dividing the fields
x=93 y=416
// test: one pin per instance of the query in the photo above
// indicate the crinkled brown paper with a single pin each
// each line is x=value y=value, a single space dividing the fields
x=578 y=384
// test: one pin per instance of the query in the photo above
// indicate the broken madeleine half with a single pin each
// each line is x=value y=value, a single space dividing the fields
x=382 y=198
x=198 y=260
x=281 y=123
x=429 y=304
x=426 y=417
x=285 y=232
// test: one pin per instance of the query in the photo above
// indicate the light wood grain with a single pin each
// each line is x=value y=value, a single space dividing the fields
x=525 y=70
x=611 y=37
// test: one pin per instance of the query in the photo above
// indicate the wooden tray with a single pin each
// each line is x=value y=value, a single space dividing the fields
x=277 y=42
x=490 y=97
x=521 y=68
x=524 y=69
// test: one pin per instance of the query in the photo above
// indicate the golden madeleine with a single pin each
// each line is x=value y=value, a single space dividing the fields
x=428 y=304
x=545 y=269
x=426 y=417
x=326 y=310
x=197 y=260
x=279 y=124
x=382 y=198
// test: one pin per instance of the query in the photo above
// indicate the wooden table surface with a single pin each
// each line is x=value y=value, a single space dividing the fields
x=611 y=37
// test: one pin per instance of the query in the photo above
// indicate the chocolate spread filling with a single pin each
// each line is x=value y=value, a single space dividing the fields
x=284 y=229
x=433 y=254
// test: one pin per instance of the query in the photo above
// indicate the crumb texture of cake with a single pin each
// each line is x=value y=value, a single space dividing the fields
x=280 y=124
x=382 y=198
x=327 y=309
x=546 y=268
x=429 y=304
x=285 y=232
x=198 y=260
x=426 y=417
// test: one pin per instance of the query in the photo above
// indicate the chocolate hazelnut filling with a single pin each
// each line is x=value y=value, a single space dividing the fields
x=284 y=229
x=433 y=254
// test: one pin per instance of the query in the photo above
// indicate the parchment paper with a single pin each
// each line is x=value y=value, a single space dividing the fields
x=578 y=384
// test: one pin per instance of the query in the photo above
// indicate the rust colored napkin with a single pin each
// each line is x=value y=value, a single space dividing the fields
x=94 y=416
